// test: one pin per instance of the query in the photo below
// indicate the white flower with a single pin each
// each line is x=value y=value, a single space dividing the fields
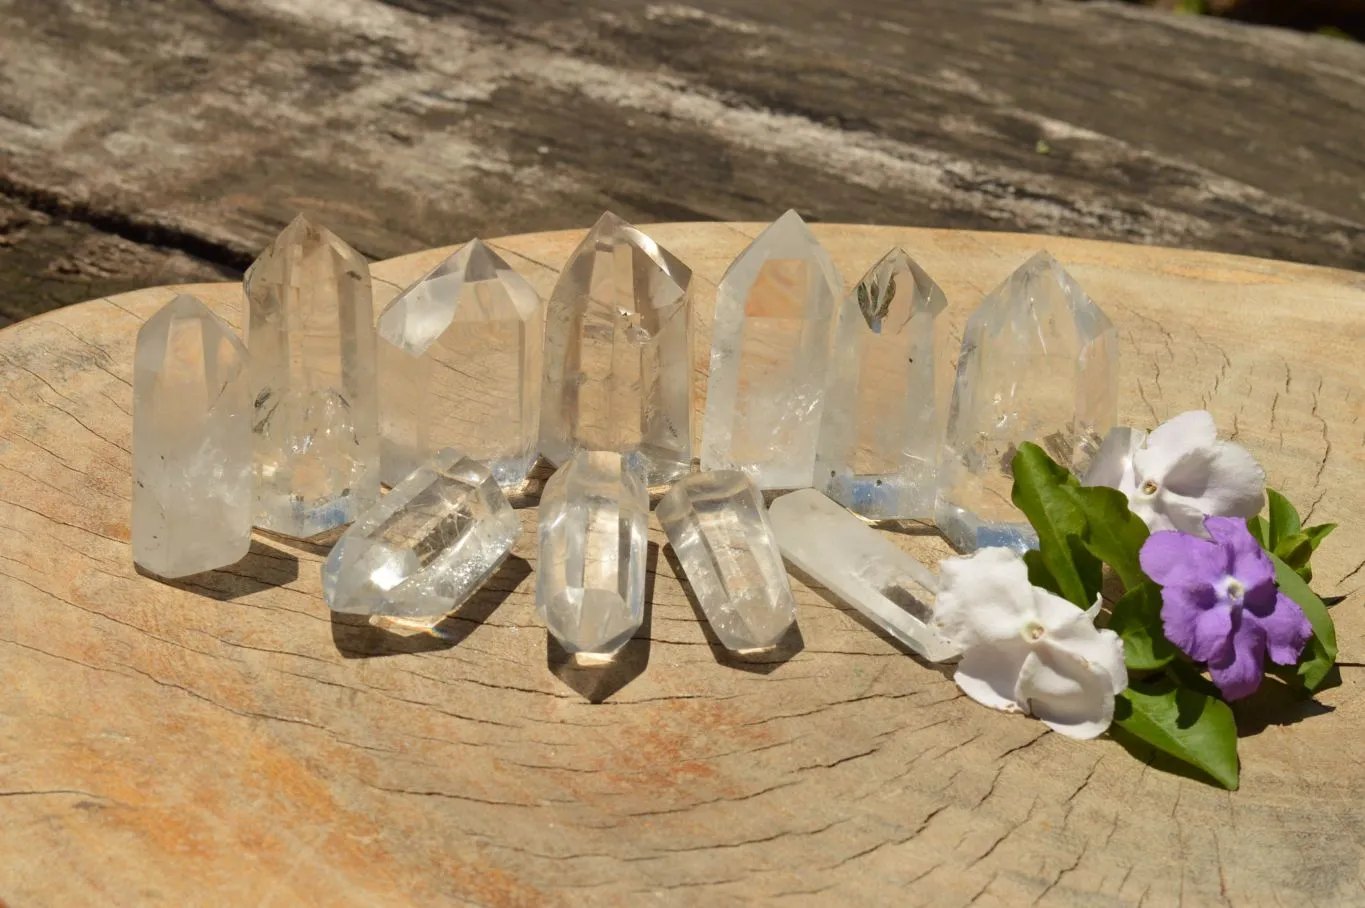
x=1180 y=474
x=1027 y=650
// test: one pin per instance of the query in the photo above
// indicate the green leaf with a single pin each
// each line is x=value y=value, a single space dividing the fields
x=1115 y=534
x=1257 y=527
x=1039 y=484
x=1320 y=654
x=1038 y=573
x=1284 y=520
x=1192 y=727
x=1318 y=532
x=1295 y=551
x=1137 y=621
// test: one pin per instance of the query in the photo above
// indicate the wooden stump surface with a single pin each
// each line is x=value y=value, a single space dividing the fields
x=224 y=741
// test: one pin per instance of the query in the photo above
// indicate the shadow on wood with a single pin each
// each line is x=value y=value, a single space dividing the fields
x=263 y=567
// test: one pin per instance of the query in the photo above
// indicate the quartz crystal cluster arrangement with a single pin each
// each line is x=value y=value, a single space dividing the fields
x=845 y=401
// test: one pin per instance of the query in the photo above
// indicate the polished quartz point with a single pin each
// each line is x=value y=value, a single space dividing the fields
x=1039 y=363
x=590 y=579
x=618 y=354
x=310 y=330
x=191 y=442
x=862 y=567
x=769 y=352
x=428 y=545
x=719 y=530
x=459 y=366
x=890 y=378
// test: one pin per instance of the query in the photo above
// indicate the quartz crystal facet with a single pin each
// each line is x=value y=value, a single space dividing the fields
x=1039 y=363
x=310 y=330
x=890 y=378
x=590 y=580
x=428 y=545
x=769 y=352
x=459 y=366
x=863 y=568
x=618 y=354
x=191 y=442
x=719 y=529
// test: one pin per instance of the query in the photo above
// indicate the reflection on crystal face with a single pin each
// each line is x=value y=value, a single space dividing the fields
x=426 y=547
x=769 y=352
x=460 y=366
x=1039 y=363
x=890 y=378
x=191 y=442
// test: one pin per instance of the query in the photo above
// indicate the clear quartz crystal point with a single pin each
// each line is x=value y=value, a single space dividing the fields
x=887 y=397
x=428 y=545
x=191 y=442
x=1039 y=363
x=618 y=354
x=769 y=352
x=718 y=526
x=862 y=567
x=310 y=330
x=590 y=579
x=459 y=366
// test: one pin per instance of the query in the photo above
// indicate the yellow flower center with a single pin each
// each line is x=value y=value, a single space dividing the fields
x=1033 y=631
x=1150 y=487
x=1236 y=589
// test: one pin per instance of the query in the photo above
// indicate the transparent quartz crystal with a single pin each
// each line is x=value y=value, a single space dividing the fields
x=191 y=442
x=310 y=330
x=1039 y=363
x=769 y=352
x=862 y=567
x=618 y=354
x=428 y=545
x=590 y=579
x=718 y=526
x=459 y=366
x=890 y=379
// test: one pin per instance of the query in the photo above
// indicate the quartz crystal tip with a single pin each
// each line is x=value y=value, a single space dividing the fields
x=590 y=579
x=719 y=529
x=426 y=547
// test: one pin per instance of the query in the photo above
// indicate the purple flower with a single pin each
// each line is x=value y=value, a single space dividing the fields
x=1220 y=603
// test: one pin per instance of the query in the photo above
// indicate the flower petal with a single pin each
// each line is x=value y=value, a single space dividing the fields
x=1179 y=559
x=1250 y=564
x=983 y=597
x=1182 y=607
x=1212 y=635
x=1068 y=696
x=1177 y=513
x=1285 y=626
x=989 y=673
x=1239 y=674
x=1103 y=649
x=1172 y=440
x=1112 y=465
x=1224 y=480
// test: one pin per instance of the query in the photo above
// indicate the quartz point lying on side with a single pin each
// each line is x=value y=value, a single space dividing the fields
x=310 y=330
x=1039 y=363
x=769 y=352
x=590 y=576
x=426 y=547
x=459 y=366
x=718 y=526
x=618 y=354
x=861 y=567
x=191 y=442
x=890 y=378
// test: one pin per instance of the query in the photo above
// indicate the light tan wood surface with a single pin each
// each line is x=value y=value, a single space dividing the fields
x=223 y=741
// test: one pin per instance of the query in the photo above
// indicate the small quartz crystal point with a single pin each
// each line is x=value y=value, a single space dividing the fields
x=618 y=354
x=887 y=398
x=769 y=353
x=862 y=567
x=428 y=545
x=459 y=366
x=191 y=442
x=590 y=579
x=310 y=330
x=1039 y=363
x=718 y=526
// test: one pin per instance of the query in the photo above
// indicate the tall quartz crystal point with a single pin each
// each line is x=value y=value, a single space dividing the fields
x=862 y=567
x=428 y=545
x=310 y=330
x=191 y=442
x=590 y=580
x=719 y=529
x=890 y=378
x=769 y=352
x=459 y=366
x=618 y=354
x=1039 y=363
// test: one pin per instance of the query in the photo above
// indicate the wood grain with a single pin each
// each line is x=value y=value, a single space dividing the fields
x=223 y=741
